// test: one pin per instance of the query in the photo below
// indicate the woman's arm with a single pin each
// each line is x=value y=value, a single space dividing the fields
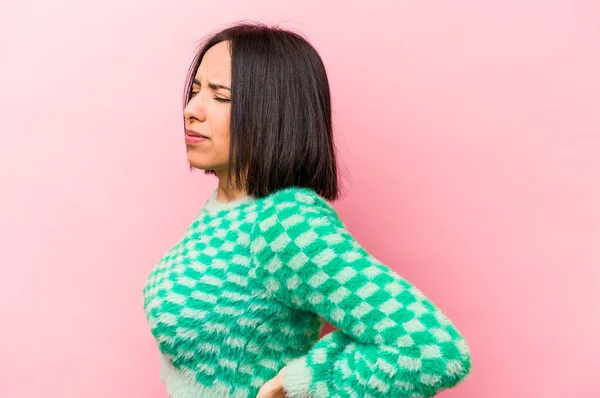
x=392 y=341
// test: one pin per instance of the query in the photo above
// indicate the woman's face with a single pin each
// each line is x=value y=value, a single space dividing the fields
x=208 y=111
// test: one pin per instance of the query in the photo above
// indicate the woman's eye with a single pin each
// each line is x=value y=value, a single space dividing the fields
x=193 y=93
x=222 y=99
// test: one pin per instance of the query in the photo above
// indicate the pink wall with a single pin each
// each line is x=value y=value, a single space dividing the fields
x=470 y=130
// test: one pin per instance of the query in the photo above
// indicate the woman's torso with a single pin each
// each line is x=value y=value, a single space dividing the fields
x=218 y=330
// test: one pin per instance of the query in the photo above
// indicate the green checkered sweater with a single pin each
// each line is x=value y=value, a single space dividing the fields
x=248 y=288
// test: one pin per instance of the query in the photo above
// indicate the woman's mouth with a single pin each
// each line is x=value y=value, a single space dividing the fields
x=191 y=138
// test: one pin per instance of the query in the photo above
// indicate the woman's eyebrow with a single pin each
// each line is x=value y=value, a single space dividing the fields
x=214 y=86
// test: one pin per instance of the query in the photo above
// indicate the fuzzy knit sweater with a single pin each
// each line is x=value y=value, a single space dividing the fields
x=248 y=288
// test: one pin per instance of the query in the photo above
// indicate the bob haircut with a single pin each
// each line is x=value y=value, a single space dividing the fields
x=280 y=123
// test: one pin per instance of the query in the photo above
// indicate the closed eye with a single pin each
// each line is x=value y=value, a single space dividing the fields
x=194 y=93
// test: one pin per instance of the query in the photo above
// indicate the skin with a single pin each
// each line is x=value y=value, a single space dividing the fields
x=208 y=113
x=273 y=388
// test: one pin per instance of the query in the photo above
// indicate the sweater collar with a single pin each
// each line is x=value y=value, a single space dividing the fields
x=213 y=204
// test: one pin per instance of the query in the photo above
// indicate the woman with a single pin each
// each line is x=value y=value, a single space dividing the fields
x=237 y=306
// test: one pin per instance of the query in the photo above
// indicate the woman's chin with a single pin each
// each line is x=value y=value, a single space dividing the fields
x=200 y=166
x=197 y=162
x=203 y=166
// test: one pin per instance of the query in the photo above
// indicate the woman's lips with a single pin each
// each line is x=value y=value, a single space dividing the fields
x=192 y=137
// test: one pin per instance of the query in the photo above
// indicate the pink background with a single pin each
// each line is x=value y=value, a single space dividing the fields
x=470 y=131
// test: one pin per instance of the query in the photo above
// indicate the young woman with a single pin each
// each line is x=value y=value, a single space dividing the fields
x=237 y=305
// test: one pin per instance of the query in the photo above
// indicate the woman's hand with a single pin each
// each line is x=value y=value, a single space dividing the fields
x=273 y=388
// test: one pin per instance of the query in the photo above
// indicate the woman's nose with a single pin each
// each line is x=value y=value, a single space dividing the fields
x=194 y=109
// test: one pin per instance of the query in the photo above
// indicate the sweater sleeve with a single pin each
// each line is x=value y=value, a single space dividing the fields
x=392 y=341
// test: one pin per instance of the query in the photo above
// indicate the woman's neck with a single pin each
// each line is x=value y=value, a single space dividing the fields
x=226 y=192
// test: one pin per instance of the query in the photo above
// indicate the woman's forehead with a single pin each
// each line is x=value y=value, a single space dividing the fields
x=216 y=64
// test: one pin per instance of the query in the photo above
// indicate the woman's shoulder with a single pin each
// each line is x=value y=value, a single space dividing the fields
x=296 y=197
x=294 y=205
